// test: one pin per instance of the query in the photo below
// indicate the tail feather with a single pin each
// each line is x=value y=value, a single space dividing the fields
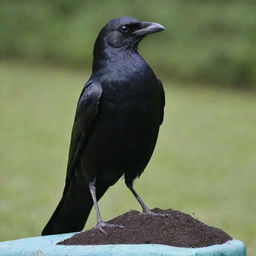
x=73 y=209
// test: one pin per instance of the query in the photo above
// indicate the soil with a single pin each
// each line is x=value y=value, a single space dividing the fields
x=178 y=229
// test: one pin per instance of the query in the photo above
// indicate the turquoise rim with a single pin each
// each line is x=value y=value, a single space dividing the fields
x=46 y=245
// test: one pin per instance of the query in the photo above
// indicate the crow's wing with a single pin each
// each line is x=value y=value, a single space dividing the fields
x=162 y=100
x=86 y=113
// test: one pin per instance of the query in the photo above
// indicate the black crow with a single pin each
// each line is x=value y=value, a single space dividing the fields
x=116 y=124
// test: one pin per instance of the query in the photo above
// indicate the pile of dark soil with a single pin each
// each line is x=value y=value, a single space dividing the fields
x=178 y=229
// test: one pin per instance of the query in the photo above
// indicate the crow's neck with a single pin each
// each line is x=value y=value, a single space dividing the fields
x=106 y=56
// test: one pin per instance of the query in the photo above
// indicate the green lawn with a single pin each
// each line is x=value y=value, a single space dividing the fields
x=204 y=162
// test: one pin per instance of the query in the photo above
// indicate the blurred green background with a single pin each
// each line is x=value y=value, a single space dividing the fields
x=204 y=162
x=209 y=41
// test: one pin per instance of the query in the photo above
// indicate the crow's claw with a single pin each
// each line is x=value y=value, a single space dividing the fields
x=149 y=212
x=101 y=225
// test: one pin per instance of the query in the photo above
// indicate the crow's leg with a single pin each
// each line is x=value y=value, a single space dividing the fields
x=100 y=224
x=145 y=209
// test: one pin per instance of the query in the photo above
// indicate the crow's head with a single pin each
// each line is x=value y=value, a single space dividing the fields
x=126 y=32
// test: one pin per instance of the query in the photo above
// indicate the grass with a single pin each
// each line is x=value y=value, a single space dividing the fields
x=204 y=162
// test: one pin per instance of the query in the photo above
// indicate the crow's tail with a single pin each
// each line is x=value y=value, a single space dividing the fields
x=73 y=209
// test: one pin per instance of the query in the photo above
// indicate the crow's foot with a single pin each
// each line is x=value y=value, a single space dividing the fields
x=149 y=212
x=101 y=225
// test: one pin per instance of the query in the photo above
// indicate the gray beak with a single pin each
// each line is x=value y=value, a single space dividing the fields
x=148 y=28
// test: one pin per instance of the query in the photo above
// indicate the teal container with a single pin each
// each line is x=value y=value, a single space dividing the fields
x=46 y=246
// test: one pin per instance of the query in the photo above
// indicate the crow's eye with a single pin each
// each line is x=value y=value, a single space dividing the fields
x=124 y=29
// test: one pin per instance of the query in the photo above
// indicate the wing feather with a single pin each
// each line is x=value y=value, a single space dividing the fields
x=86 y=114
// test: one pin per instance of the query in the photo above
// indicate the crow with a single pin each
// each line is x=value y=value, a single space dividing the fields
x=116 y=125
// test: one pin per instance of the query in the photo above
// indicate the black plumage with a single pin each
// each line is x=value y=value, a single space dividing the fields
x=116 y=124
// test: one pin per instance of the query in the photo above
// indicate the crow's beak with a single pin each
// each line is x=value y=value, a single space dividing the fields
x=148 y=28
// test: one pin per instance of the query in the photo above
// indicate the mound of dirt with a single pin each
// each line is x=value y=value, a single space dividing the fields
x=177 y=229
